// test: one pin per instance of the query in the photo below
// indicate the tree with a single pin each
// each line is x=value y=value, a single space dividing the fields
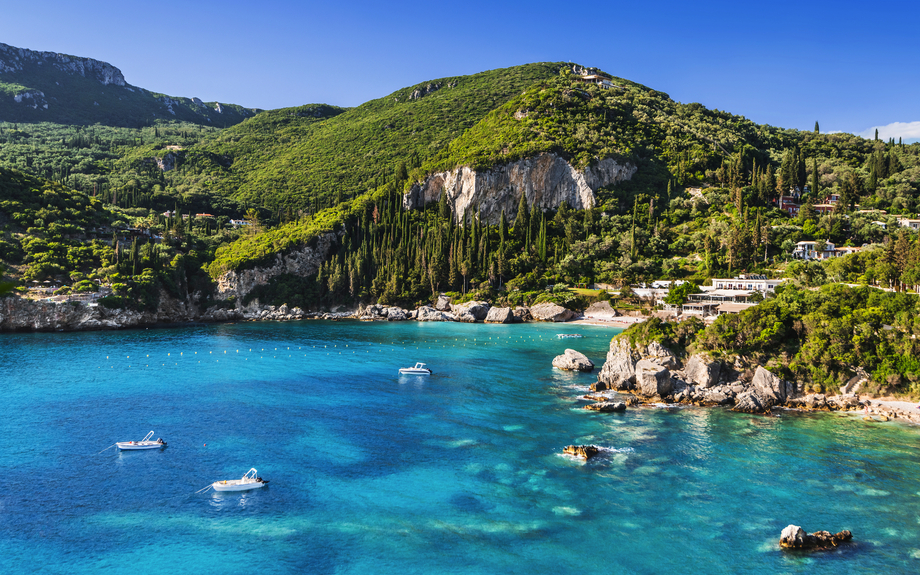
x=814 y=175
x=677 y=294
x=817 y=130
x=522 y=220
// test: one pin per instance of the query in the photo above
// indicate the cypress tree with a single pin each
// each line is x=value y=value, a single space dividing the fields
x=817 y=130
x=876 y=134
x=522 y=220
x=443 y=207
x=502 y=228
x=814 y=175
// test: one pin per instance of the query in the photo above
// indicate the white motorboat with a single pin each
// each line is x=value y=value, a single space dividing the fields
x=419 y=369
x=146 y=443
x=249 y=481
x=569 y=335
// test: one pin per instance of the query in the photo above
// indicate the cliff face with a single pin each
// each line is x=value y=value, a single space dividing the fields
x=14 y=59
x=547 y=180
x=302 y=262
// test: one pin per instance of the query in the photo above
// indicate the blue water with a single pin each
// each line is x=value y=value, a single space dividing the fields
x=372 y=472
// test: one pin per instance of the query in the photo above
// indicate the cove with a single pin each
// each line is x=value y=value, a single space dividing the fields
x=372 y=472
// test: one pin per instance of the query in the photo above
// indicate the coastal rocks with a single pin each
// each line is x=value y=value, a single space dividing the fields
x=522 y=314
x=661 y=355
x=772 y=387
x=585 y=452
x=794 y=537
x=546 y=180
x=702 y=371
x=551 y=312
x=619 y=371
x=607 y=406
x=500 y=315
x=443 y=303
x=428 y=313
x=573 y=360
x=652 y=379
x=478 y=310
x=377 y=312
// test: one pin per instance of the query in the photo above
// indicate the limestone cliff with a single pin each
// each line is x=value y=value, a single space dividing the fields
x=547 y=180
x=303 y=262
x=13 y=59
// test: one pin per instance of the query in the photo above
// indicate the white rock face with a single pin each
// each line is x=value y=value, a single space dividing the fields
x=547 y=180
x=479 y=310
x=771 y=387
x=702 y=371
x=652 y=379
x=302 y=262
x=443 y=303
x=551 y=312
x=428 y=313
x=619 y=371
x=500 y=315
x=573 y=360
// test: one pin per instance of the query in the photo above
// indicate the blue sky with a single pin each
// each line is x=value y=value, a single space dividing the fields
x=852 y=66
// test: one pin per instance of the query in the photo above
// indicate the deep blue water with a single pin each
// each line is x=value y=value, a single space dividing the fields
x=372 y=472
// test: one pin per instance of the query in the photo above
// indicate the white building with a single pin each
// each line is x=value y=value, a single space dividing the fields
x=745 y=282
x=806 y=251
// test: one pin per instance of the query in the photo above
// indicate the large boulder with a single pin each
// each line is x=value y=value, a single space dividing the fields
x=478 y=309
x=751 y=401
x=601 y=310
x=551 y=312
x=522 y=314
x=702 y=371
x=396 y=314
x=652 y=378
x=657 y=353
x=443 y=303
x=619 y=370
x=466 y=317
x=500 y=315
x=794 y=537
x=584 y=451
x=573 y=360
x=607 y=406
x=770 y=387
x=428 y=313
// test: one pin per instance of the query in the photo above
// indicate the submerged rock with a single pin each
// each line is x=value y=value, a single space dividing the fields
x=586 y=452
x=794 y=537
x=573 y=360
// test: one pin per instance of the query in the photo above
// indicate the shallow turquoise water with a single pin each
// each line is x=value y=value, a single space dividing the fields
x=372 y=472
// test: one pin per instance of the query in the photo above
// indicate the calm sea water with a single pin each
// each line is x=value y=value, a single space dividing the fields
x=372 y=472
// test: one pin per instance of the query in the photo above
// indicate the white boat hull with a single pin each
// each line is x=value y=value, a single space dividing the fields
x=138 y=445
x=412 y=371
x=236 y=485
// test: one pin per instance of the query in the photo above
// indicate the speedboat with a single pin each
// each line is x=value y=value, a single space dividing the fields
x=419 y=369
x=249 y=481
x=146 y=443
x=569 y=335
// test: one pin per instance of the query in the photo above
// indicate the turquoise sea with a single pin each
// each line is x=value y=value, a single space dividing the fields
x=372 y=472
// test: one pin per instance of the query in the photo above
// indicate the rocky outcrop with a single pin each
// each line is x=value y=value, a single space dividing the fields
x=500 y=315
x=794 y=537
x=607 y=406
x=477 y=310
x=573 y=360
x=14 y=59
x=522 y=314
x=428 y=313
x=585 y=452
x=619 y=371
x=443 y=303
x=702 y=371
x=652 y=379
x=377 y=312
x=303 y=262
x=551 y=312
x=546 y=179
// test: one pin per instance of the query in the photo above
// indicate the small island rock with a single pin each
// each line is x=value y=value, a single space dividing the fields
x=794 y=537
x=573 y=360
x=607 y=406
x=586 y=452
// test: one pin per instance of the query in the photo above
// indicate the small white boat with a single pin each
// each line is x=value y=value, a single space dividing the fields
x=145 y=443
x=249 y=481
x=419 y=369
x=569 y=335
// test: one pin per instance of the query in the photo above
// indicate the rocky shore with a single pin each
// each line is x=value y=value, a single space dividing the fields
x=653 y=374
x=20 y=314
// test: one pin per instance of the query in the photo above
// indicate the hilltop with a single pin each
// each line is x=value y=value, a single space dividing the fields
x=64 y=89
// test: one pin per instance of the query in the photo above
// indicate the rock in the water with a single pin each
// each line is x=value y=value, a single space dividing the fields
x=794 y=537
x=586 y=452
x=478 y=309
x=652 y=379
x=443 y=303
x=396 y=314
x=619 y=371
x=607 y=406
x=500 y=315
x=428 y=313
x=551 y=312
x=702 y=371
x=751 y=401
x=465 y=317
x=573 y=360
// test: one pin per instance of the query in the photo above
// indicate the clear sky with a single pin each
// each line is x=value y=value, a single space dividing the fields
x=852 y=66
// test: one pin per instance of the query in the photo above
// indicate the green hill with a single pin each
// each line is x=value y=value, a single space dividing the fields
x=64 y=89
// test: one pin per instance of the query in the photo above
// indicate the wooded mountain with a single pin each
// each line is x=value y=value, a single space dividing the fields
x=52 y=87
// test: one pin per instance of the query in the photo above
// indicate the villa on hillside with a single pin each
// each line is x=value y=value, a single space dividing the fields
x=584 y=75
x=806 y=250
x=909 y=223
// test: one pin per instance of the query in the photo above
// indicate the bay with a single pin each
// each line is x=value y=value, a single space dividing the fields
x=372 y=472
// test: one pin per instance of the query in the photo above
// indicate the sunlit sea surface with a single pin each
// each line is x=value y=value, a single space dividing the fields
x=372 y=472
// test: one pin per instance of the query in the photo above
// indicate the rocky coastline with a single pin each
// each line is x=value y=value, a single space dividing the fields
x=653 y=374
